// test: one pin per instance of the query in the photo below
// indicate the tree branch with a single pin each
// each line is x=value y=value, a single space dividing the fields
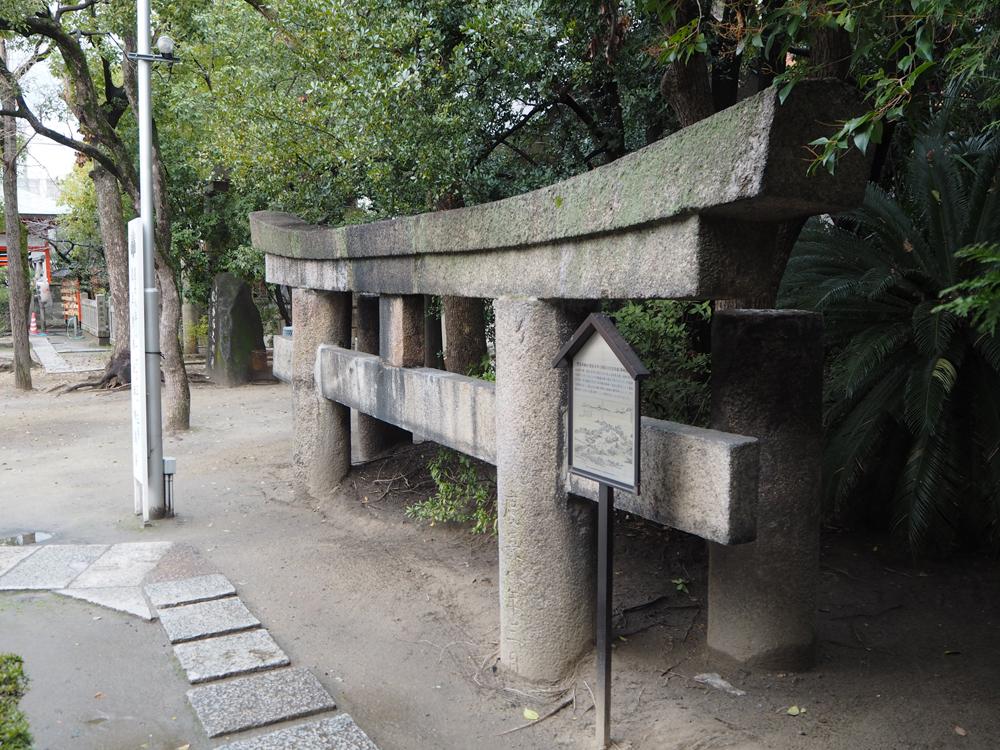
x=264 y=10
x=580 y=112
x=73 y=8
x=520 y=153
x=510 y=131
x=86 y=149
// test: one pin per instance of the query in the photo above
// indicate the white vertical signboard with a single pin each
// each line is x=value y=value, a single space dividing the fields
x=137 y=328
x=603 y=442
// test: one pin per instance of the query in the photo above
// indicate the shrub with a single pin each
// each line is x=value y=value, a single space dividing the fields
x=462 y=494
x=14 y=734
x=662 y=333
x=913 y=401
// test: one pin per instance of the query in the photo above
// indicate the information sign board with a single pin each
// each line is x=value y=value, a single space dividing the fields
x=137 y=329
x=604 y=417
x=603 y=404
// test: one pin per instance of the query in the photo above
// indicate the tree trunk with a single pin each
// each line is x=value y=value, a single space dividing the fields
x=17 y=282
x=830 y=53
x=114 y=236
x=177 y=394
x=177 y=408
x=465 y=333
x=687 y=86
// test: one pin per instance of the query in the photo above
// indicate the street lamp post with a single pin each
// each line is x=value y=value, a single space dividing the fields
x=153 y=506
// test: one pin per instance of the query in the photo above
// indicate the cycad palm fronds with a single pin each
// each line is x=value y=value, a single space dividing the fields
x=913 y=400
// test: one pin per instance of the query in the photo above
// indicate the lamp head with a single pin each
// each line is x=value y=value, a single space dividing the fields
x=166 y=46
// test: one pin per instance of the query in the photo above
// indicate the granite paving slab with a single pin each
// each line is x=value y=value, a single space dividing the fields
x=47 y=355
x=229 y=655
x=338 y=733
x=249 y=702
x=122 y=565
x=189 y=590
x=216 y=617
x=51 y=567
x=11 y=556
x=122 y=598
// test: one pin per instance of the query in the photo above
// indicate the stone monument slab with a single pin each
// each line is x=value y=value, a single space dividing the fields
x=235 y=331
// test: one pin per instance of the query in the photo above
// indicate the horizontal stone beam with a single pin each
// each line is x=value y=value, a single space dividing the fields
x=694 y=257
x=700 y=481
x=281 y=365
x=449 y=409
x=747 y=162
x=667 y=215
x=670 y=214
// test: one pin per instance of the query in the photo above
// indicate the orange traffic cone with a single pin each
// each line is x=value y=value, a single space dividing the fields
x=33 y=331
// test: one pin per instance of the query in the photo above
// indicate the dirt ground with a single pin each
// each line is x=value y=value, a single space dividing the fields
x=399 y=619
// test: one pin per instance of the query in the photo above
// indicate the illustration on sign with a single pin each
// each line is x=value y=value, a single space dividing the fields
x=603 y=403
x=603 y=413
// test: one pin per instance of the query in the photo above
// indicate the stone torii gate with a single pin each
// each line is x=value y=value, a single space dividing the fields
x=690 y=217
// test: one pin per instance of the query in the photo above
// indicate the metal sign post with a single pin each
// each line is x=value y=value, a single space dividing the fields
x=604 y=421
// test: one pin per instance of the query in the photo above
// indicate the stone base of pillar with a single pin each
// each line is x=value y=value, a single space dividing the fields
x=547 y=538
x=767 y=383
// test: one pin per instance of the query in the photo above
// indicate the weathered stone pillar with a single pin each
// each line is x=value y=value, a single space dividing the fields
x=401 y=329
x=547 y=538
x=767 y=383
x=322 y=428
x=374 y=437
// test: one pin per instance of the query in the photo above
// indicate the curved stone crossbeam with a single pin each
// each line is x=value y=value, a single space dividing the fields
x=687 y=217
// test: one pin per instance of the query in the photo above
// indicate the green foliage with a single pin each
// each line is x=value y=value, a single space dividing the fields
x=415 y=106
x=486 y=369
x=660 y=332
x=913 y=402
x=978 y=298
x=199 y=331
x=462 y=494
x=14 y=734
x=903 y=53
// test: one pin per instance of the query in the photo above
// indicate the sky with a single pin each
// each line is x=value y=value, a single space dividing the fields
x=45 y=157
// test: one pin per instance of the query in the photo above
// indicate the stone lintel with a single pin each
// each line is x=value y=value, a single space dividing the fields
x=449 y=409
x=696 y=480
x=700 y=481
x=690 y=257
x=747 y=162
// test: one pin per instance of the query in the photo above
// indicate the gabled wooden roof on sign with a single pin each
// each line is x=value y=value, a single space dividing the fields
x=602 y=324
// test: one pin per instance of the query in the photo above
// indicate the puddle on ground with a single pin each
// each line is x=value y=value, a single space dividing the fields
x=19 y=540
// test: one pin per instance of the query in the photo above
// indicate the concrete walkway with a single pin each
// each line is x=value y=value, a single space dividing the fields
x=50 y=357
x=249 y=681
